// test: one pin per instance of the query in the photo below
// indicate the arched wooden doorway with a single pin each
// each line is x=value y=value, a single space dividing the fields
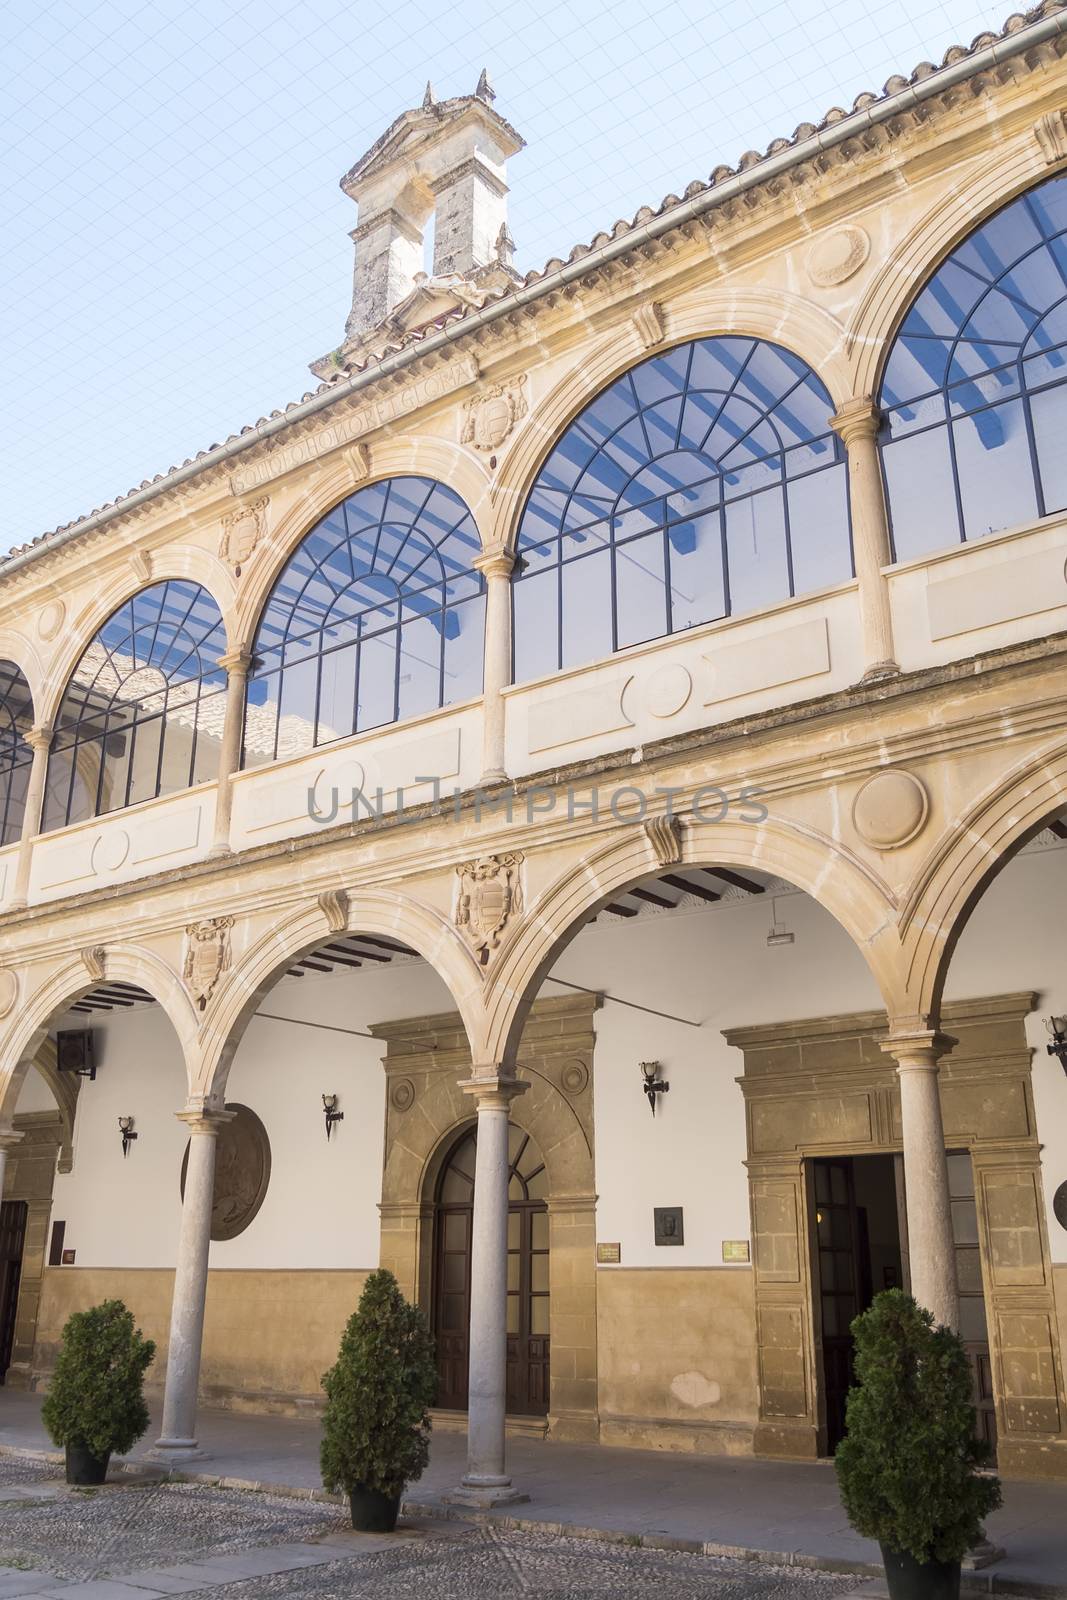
x=528 y=1304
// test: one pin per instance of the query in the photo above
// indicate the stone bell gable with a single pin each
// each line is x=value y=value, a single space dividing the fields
x=443 y=162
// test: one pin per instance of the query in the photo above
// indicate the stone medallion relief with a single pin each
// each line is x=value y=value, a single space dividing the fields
x=242 y=1173
x=890 y=809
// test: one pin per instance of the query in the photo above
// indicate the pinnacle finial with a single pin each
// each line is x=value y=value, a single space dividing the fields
x=429 y=99
x=505 y=245
x=485 y=90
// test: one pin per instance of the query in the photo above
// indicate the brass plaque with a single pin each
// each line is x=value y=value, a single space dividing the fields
x=735 y=1250
x=608 y=1255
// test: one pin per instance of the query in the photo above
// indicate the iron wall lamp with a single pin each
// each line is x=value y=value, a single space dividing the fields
x=1057 y=1027
x=331 y=1113
x=128 y=1135
x=653 y=1084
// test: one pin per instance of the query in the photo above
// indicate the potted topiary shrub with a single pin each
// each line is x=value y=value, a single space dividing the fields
x=95 y=1402
x=909 y=1464
x=376 y=1427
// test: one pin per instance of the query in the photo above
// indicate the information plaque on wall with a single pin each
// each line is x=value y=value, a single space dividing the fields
x=735 y=1250
x=608 y=1255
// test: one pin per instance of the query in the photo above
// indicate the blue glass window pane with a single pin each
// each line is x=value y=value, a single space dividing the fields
x=536 y=613
x=920 y=486
x=16 y=757
x=992 y=318
x=586 y=620
x=1049 y=411
x=657 y=453
x=697 y=589
x=995 y=472
x=756 y=552
x=641 y=588
x=395 y=556
x=819 y=532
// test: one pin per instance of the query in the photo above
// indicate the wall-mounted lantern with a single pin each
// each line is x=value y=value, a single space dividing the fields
x=1057 y=1027
x=653 y=1084
x=128 y=1135
x=331 y=1113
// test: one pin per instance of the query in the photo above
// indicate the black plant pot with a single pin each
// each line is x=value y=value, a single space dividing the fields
x=909 y=1579
x=373 y=1512
x=83 y=1467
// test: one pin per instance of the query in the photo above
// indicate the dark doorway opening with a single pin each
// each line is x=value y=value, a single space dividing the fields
x=13 y=1215
x=860 y=1247
x=528 y=1297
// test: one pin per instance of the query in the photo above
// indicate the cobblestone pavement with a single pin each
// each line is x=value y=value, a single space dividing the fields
x=136 y=1541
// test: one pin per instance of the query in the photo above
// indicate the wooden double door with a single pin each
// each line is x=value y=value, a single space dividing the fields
x=860 y=1247
x=528 y=1267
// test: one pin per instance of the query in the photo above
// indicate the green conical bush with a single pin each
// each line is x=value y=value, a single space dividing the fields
x=376 y=1427
x=908 y=1465
x=95 y=1399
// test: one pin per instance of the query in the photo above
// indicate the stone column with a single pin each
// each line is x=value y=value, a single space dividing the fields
x=236 y=663
x=40 y=742
x=857 y=423
x=930 y=1242
x=486 y=1481
x=178 y=1439
x=496 y=566
x=8 y=1139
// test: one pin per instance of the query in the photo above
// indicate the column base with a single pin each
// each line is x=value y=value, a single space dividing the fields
x=494 y=775
x=219 y=852
x=982 y=1554
x=880 y=670
x=177 y=1451
x=485 y=1495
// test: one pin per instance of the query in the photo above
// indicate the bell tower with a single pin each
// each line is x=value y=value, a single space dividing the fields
x=445 y=161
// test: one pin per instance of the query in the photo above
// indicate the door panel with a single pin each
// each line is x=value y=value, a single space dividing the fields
x=12 y=1238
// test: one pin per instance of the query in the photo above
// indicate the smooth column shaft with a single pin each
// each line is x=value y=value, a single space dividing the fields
x=930 y=1243
x=857 y=423
x=190 y=1291
x=41 y=741
x=488 y=1323
x=496 y=568
x=236 y=666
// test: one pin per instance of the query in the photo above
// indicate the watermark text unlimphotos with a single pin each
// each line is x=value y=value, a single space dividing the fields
x=621 y=803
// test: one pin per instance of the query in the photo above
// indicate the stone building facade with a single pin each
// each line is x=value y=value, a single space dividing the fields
x=635 y=686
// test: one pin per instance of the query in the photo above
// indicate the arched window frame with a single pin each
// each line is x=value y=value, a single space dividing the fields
x=16 y=755
x=449 y=591
x=173 y=629
x=947 y=406
x=546 y=525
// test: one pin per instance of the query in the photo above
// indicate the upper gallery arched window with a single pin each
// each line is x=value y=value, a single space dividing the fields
x=142 y=714
x=16 y=756
x=974 y=389
x=378 y=615
x=704 y=481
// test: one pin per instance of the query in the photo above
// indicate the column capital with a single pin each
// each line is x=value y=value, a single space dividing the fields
x=205 y=1119
x=40 y=737
x=495 y=563
x=236 y=662
x=917 y=1048
x=858 y=418
x=493 y=1092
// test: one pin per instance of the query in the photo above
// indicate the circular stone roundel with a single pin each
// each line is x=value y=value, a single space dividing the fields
x=1059 y=1205
x=242 y=1173
x=890 y=809
x=834 y=259
x=9 y=990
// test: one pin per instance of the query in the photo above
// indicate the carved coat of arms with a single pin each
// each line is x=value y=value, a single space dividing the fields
x=490 y=893
x=242 y=529
x=491 y=415
x=207 y=956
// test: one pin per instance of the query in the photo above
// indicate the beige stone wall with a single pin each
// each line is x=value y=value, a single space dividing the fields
x=676 y=1351
x=268 y=1336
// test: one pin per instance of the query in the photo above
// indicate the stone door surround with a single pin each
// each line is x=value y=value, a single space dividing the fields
x=426 y=1057
x=824 y=1087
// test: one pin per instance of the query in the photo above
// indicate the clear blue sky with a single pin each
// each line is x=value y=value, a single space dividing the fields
x=175 y=245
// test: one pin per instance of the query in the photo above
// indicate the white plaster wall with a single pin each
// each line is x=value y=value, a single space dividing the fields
x=713 y=966
x=320 y=1209
x=124 y=1213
